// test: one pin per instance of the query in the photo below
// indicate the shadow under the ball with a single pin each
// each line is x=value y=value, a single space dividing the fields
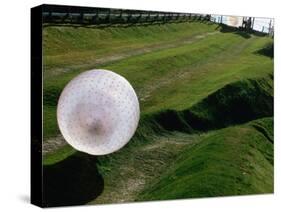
x=73 y=181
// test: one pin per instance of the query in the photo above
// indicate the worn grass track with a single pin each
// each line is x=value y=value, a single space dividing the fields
x=71 y=48
x=123 y=182
x=218 y=163
x=239 y=158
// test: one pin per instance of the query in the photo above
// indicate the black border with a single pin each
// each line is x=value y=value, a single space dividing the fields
x=36 y=106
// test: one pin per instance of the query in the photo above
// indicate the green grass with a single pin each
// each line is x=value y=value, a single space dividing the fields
x=238 y=102
x=59 y=155
x=235 y=103
x=66 y=47
x=190 y=79
x=232 y=161
x=191 y=70
x=55 y=51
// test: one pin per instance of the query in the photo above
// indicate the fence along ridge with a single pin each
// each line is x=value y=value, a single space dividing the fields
x=95 y=16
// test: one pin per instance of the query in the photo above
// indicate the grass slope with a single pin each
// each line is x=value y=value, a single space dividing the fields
x=191 y=70
x=128 y=173
x=66 y=48
x=238 y=102
x=232 y=161
x=240 y=157
x=190 y=78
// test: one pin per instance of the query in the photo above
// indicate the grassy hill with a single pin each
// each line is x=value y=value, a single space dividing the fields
x=204 y=92
x=231 y=161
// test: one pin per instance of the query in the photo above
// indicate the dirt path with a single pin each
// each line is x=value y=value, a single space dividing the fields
x=143 y=165
x=53 y=144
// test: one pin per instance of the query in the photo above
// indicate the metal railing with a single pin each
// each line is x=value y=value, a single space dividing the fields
x=97 y=16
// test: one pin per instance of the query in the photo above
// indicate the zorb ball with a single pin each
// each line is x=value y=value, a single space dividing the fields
x=98 y=112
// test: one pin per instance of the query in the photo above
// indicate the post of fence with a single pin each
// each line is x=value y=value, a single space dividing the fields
x=253 y=23
x=65 y=17
x=178 y=15
x=120 y=16
x=129 y=17
x=50 y=16
x=269 y=27
x=97 y=17
x=157 y=17
x=139 y=17
x=107 y=18
x=81 y=17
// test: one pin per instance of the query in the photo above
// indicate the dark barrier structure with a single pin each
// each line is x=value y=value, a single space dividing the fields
x=95 y=16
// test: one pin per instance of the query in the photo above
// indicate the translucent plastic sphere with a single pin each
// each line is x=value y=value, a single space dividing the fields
x=98 y=112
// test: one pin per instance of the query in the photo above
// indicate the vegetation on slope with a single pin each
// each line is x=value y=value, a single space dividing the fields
x=236 y=103
x=228 y=156
x=71 y=48
x=148 y=152
x=231 y=161
x=191 y=70
x=190 y=78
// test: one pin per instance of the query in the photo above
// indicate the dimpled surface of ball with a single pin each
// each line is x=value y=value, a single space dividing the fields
x=98 y=112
